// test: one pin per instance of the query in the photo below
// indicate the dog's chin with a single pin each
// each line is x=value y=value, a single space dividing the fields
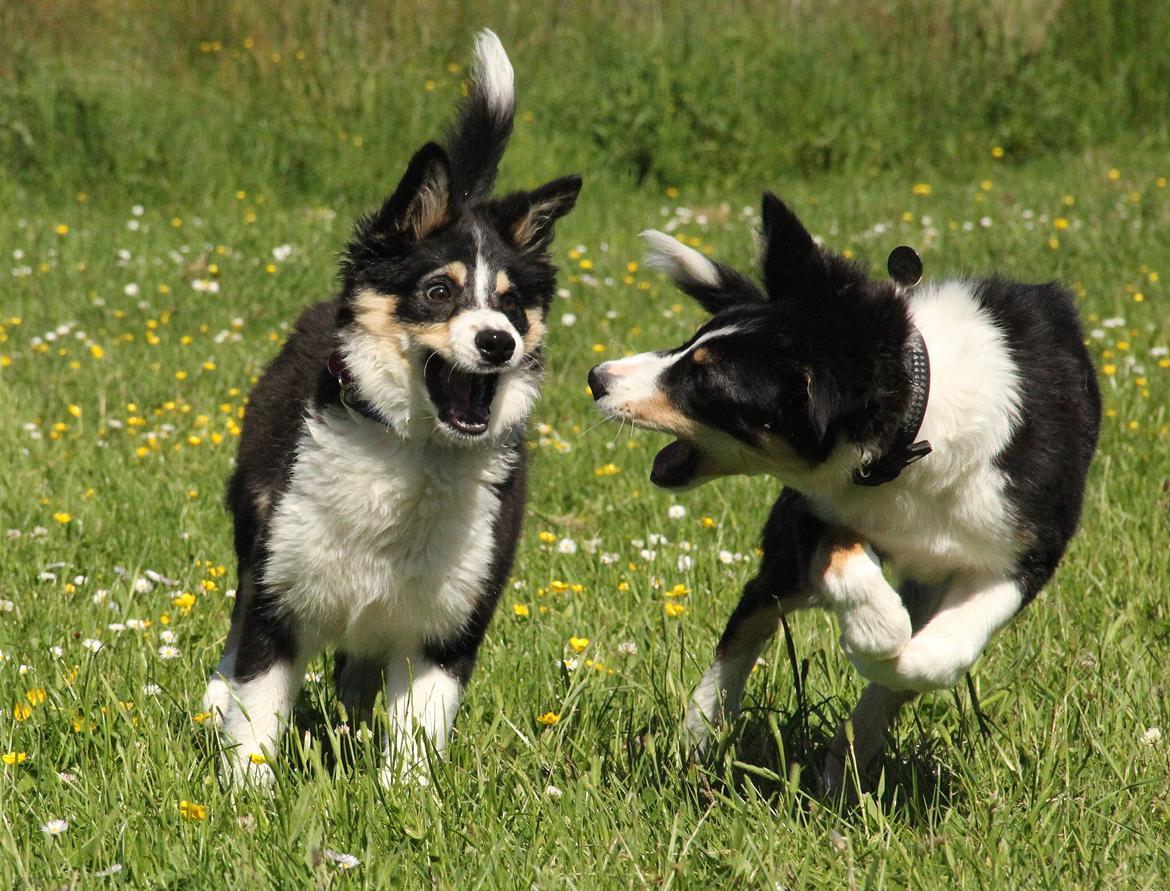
x=676 y=467
x=462 y=399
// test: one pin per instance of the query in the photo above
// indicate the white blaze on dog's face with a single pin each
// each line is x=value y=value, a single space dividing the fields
x=443 y=320
x=778 y=378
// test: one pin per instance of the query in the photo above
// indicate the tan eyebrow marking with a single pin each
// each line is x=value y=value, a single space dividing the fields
x=702 y=356
x=503 y=283
x=458 y=272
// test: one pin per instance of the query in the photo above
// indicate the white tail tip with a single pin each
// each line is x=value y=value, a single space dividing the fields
x=493 y=73
x=685 y=265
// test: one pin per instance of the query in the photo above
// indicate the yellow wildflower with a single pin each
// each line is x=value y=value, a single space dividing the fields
x=578 y=644
x=189 y=810
x=548 y=719
x=520 y=609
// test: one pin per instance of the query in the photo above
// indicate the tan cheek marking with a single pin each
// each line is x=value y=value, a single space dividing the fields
x=536 y=330
x=375 y=313
x=458 y=272
x=435 y=336
x=701 y=356
x=658 y=413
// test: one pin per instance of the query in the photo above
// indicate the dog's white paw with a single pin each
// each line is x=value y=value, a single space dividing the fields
x=832 y=784
x=217 y=698
x=874 y=632
x=927 y=663
x=697 y=732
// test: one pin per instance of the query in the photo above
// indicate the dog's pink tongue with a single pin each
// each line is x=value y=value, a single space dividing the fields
x=675 y=465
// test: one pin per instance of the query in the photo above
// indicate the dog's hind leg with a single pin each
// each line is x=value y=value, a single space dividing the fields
x=861 y=738
x=720 y=692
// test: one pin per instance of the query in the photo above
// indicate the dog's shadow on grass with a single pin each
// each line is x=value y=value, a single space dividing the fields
x=780 y=755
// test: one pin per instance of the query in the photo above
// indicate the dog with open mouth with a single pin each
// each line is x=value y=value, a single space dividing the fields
x=379 y=487
x=941 y=433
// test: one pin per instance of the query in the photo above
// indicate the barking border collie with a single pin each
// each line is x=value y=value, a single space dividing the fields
x=838 y=384
x=379 y=487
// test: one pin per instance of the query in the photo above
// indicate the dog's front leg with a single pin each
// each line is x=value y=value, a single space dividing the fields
x=874 y=622
x=422 y=698
x=939 y=653
x=267 y=672
x=790 y=537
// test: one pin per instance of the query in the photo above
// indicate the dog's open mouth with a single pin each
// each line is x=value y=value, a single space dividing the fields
x=675 y=465
x=464 y=400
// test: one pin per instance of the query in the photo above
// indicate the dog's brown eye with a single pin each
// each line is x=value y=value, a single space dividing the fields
x=508 y=301
x=438 y=292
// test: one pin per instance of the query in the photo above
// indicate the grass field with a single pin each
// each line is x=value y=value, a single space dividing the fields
x=147 y=283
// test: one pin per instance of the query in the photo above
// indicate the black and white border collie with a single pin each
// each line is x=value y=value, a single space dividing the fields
x=836 y=383
x=380 y=482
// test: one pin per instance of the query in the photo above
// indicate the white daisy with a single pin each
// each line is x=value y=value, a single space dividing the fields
x=343 y=861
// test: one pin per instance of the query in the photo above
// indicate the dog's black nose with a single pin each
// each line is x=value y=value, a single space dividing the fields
x=597 y=382
x=495 y=346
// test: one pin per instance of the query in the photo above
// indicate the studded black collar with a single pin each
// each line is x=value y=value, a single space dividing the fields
x=906 y=447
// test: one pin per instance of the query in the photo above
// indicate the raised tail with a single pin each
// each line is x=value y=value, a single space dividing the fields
x=477 y=140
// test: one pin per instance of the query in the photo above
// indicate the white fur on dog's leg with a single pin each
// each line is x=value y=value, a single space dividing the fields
x=217 y=696
x=719 y=695
x=942 y=651
x=874 y=622
x=705 y=712
x=871 y=718
x=422 y=700
x=257 y=713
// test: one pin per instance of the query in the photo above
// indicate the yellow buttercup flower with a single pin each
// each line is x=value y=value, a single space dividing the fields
x=189 y=810
x=548 y=719
x=578 y=644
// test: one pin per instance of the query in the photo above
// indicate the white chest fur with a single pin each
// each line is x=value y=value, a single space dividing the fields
x=379 y=542
x=948 y=512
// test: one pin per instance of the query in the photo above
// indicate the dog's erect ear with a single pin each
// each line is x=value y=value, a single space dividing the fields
x=790 y=254
x=421 y=204
x=715 y=286
x=527 y=218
